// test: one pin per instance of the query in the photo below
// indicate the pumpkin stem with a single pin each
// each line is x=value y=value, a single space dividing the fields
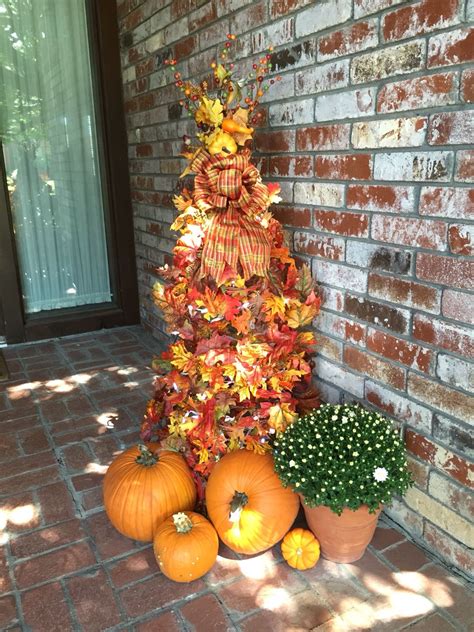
x=238 y=502
x=182 y=522
x=146 y=456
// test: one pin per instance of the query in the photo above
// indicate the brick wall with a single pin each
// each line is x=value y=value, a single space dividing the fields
x=368 y=134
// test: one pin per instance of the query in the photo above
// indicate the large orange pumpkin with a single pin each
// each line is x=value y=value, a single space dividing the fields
x=145 y=485
x=185 y=546
x=247 y=504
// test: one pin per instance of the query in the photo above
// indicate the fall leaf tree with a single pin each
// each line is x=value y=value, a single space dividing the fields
x=235 y=301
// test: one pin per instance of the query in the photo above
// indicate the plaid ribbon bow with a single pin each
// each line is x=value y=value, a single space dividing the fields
x=232 y=188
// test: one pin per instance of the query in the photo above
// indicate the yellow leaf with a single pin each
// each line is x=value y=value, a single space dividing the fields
x=301 y=316
x=210 y=112
x=281 y=416
x=182 y=359
x=274 y=305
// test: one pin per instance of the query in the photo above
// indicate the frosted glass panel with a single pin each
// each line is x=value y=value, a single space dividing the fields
x=49 y=139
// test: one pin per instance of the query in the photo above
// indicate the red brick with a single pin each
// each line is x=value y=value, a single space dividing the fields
x=420 y=446
x=243 y=595
x=448 y=128
x=377 y=313
x=162 y=623
x=92 y=499
x=447 y=202
x=77 y=457
x=24 y=464
x=56 y=503
x=186 y=47
x=406 y=557
x=87 y=481
x=399 y=350
x=342 y=328
x=109 y=542
x=348 y=40
x=403 y=291
x=293 y=216
x=319 y=246
x=448 y=271
x=380 y=198
x=279 y=8
x=409 y=232
x=156 y=592
x=461 y=606
x=29 y=480
x=453 y=403
x=45 y=539
x=444 y=335
x=460 y=239
x=55 y=564
x=350 y=224
x=33 y=440
x=467 y=86
x=323 y=137
x=272 y=142
x=205 y=14
x=420 y=18
x=458 y=306
x=375 y=368
x=5 y=583
x=398 y=406
x=94 y=601
x=206 y=614
x=384 y=538
x=133 y=567
x=454 y=47
x=45 y=609
x=145 y=67
x=464 y=166
x=291 y=166
x=250 y=18
x=420 y=92
x=7 y=611
x=344 y=167
x=144 y=150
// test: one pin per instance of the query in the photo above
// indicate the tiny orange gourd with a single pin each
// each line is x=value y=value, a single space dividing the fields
x=143 y=486
x=300 y=549
x=231 y=126
x=247 y=504
x=185 y=546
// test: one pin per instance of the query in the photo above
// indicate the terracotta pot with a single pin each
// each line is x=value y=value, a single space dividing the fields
x=343 y=538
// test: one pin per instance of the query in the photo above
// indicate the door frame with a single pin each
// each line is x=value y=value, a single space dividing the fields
x=113 y=157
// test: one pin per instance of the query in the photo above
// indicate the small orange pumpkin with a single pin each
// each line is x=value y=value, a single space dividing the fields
x=300 y=549
x=247 y=504
x=143 y=486
x=185 y=546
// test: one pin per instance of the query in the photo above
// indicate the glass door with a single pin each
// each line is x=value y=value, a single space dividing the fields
x=49 y=138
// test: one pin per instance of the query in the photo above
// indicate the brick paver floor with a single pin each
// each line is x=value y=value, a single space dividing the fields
x=73 y=403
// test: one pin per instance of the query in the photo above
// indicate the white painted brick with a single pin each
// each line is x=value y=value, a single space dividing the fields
x=323 y=78
x=388 y=62
x=328 y=393
x=366 y=7
x=451 y=494
x=455 y=372
x=322 y=15
x=351 y=104
x=275 y=35
x=461 y=129
x=402 y=514
x=400 y=407
x=338 y=376
x=339 y=275
x=334 y=325
x=414 y=167
x=292 y=113
x=280 y=89
x=441 y=516
x=400 y=132
x=129 y=74
x=319 y=194
x=332 y=299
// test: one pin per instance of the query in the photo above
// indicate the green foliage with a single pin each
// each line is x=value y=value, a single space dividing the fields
x=342 y=456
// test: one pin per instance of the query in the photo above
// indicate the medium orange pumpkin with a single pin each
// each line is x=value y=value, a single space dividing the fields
x=300 y=549
x=247 y=504
x=185 y=546
x=143 y=486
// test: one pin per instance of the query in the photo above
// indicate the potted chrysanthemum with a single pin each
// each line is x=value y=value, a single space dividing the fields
x=345 y=462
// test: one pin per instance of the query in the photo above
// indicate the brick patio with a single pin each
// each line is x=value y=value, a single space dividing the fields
x=73 y=403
